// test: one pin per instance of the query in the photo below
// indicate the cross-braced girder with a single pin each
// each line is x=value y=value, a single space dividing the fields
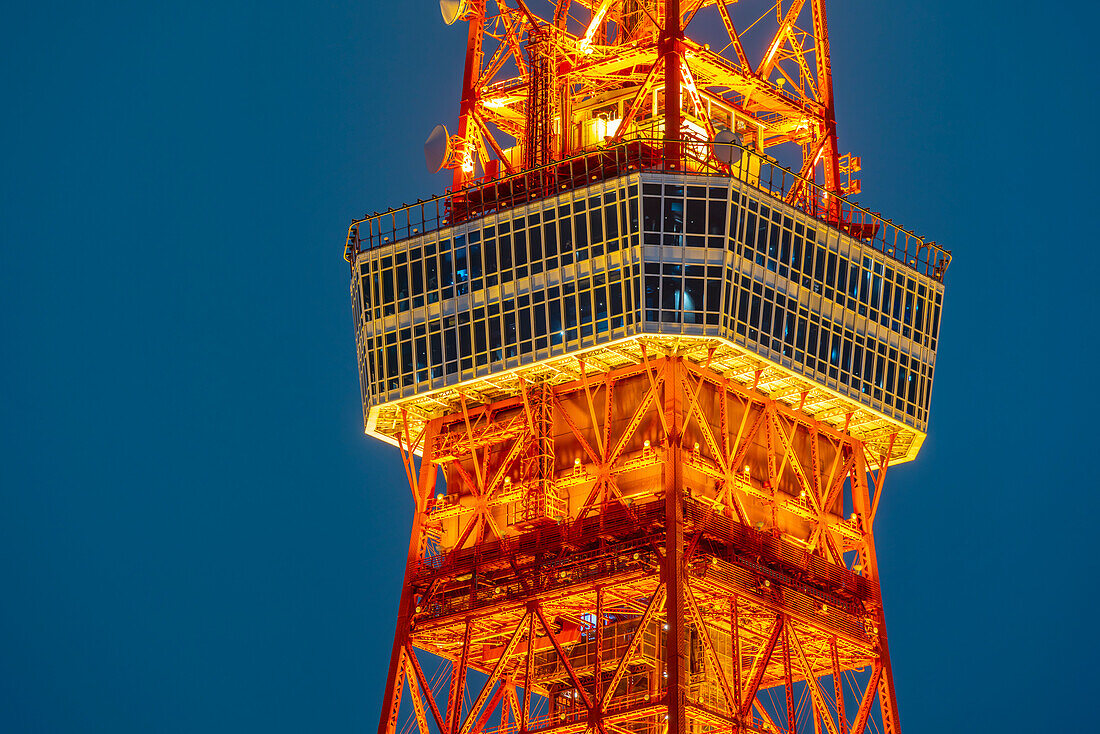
x=697 y=566
x=545 y=80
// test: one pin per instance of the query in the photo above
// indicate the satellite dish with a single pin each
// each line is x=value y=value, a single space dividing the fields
x=452 y=10
x=437 y=148
x=725 y=145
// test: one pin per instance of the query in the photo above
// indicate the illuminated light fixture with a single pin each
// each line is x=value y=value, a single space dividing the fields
x=646 y=444
x=577 y=462
x=696 y=445
x=746 y=468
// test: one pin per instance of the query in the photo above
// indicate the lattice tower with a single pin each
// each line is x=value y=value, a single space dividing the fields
x=645 y=385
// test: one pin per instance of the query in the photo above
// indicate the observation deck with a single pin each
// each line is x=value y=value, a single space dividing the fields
x=609 y=259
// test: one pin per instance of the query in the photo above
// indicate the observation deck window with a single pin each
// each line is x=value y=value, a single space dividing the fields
x=748 y=282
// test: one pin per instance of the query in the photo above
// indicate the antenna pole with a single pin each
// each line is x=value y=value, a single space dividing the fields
x=671 y=46
x=830 y=158
x=471 y=72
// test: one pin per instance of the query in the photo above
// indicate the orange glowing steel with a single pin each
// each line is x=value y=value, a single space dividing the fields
x=657 y=516
x=612 y=346
x=538 y=71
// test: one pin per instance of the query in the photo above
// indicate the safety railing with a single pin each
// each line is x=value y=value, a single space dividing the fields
x=762 y=554
x=694 y=157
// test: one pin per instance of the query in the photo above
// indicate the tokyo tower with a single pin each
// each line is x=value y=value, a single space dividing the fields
x=646 y=364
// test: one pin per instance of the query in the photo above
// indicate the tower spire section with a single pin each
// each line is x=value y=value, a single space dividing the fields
x=645 y=382
x=468 y=132
x=544 y=81
x=671 y=49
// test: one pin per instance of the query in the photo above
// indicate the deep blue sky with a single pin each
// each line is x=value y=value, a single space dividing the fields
x=195 y=536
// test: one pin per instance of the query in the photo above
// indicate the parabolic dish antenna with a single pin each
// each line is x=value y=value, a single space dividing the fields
x=437 y=148
x=452 y=10
x=725 y=146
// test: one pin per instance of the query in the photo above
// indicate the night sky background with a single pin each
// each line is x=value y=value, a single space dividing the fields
x=195 y=535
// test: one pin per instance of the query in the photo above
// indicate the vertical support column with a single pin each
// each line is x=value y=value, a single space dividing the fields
x=528 y=674
x=538 y=141
x=559 y=93
x=829 y=158
x=457 y=692
x=735 y=653
x=788 y=678
x=505 y=700
x=395 y=676
x=540 y=500
x=670 y=46
x=886 y=697
x=598 y=673
x=672 y=476
x=468 y=131
x=861 y=502
x=565 y=139
x=838 y=687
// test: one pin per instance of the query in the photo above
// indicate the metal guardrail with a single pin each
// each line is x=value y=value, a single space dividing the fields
x=645 y=155
x=762 y=554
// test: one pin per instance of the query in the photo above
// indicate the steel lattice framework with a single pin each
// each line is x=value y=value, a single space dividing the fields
x=656 y=525
x=543 y=81
x=613 y=610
